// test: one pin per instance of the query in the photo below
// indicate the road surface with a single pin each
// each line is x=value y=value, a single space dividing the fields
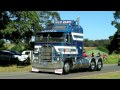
x=42 y=75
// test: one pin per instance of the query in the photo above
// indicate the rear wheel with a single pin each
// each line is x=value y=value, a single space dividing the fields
x=99 y=66
x=92 y=66
x=66 y=68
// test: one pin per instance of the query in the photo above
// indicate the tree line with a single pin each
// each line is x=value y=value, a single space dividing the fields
x=96 y=43
x=99 y=44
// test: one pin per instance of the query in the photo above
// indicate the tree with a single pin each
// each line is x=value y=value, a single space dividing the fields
x=20 y=26
x=47 y=17
x=115 y=39
x=20 y=23
x=4 y=19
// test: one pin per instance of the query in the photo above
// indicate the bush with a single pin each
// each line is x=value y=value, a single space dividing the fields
x=116 y=51
x=29 y=46
x=103 y=48
x=19 y=47
x=119 y=59
x=1 y=42
x=2 y=47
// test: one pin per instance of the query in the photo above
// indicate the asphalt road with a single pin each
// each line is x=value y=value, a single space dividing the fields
x=42 y=75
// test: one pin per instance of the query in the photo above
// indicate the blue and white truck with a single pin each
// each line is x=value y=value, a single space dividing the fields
x=59 y=49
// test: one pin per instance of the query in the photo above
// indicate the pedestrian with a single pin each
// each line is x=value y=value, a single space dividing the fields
x=99 y=54
x=92 y=54
x=104 y=56
x=84 y=54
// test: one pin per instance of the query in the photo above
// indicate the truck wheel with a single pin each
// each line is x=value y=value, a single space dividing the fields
x=99 y=66
x=92 y=66
x=66 y=68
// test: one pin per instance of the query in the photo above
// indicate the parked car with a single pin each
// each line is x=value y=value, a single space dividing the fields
x=29 y=53
x=7 y=57
x=22 y=58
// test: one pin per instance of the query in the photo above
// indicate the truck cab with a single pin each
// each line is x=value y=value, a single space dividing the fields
x=59 y=48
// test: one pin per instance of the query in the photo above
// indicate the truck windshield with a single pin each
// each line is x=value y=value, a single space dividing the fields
x=50 y=37
x=49 y=26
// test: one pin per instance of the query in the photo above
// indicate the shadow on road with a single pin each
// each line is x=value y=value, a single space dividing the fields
x=43 y=72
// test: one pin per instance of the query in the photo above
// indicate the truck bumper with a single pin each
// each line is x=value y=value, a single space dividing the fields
x=46 y=70
x=55 y=67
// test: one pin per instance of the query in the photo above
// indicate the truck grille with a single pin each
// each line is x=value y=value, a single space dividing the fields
x=46 y=53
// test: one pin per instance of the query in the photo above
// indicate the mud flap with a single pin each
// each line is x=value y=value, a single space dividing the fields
x=59 y=71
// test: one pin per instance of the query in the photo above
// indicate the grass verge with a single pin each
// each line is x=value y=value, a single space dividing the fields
x=112 y=59
x=15 y=68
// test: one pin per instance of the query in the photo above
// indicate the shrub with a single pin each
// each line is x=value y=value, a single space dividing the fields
x=29 y=46
x=2 y=47
x=103 y=48
x=19 y=47
x=119 y=59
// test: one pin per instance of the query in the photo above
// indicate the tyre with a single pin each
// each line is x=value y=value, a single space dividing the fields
x=66 y=68
x=28 y=61
x=99 y=65
x=92 y=66
x=19 y=63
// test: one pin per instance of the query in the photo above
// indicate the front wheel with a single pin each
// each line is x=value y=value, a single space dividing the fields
x=66 y=68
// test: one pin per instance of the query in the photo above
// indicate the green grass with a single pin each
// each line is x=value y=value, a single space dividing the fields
x=111 y=59
x=110 y=75
x=15 y=68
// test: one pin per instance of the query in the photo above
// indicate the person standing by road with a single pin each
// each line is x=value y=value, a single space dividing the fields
x=84 y=54
x=99 y=55
x=104 y=56
x=92 y=54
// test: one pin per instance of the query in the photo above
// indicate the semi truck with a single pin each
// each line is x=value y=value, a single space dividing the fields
x=59 y=49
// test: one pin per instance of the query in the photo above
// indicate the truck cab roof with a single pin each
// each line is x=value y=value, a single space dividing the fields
x=63 y=26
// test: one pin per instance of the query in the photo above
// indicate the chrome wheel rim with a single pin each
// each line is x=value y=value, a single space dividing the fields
x=92 y=65
x=99 y=64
